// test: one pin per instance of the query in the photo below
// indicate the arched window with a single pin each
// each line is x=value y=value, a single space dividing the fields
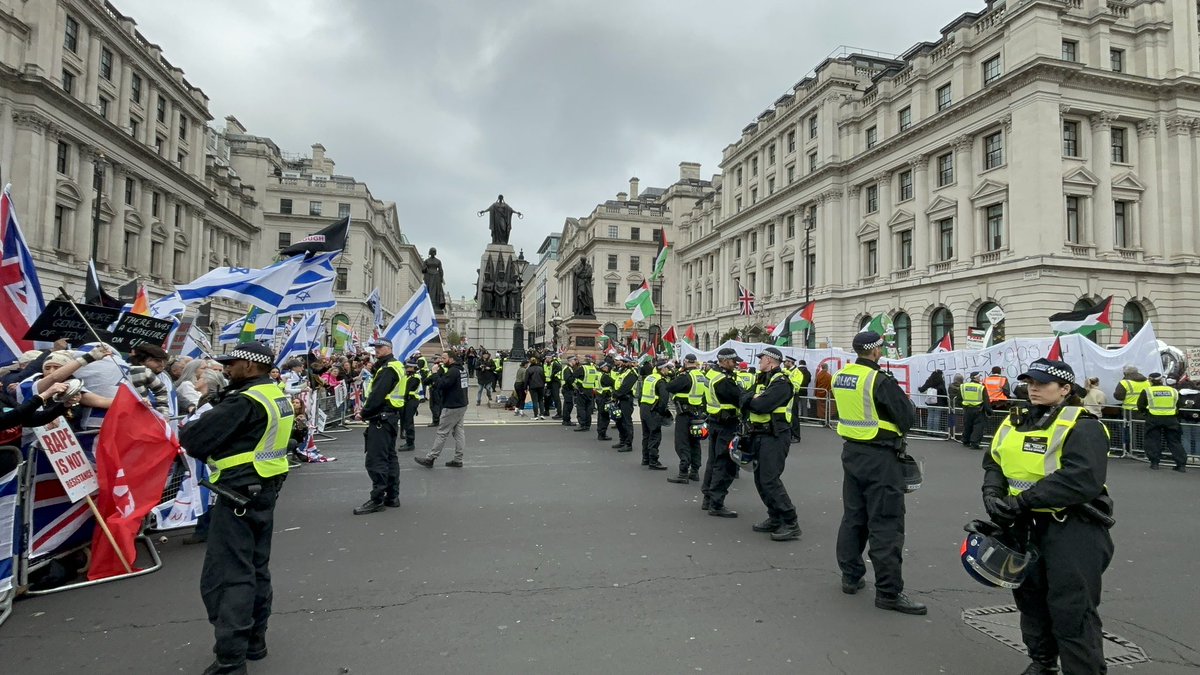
x=1133 y=317
x=940 y=324
x=707 y=343
x=903 y=327
x=610 y=332
x=863 y=321
x=983 y=322
x=656 y=337
x=1080 y=305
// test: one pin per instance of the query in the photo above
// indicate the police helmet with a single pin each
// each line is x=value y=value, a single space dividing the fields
x=914 y=472
x=698 y=428
x=990 y=557
x=614 y=410
x=740 y=452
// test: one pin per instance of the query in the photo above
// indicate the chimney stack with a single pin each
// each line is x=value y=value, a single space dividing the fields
x=318 y=158
x=633 y=187
x=689 y=171
x=622 y=197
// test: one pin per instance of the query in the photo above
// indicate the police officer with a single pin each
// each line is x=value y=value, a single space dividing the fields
x=568 y=389
x=874 y=415
x=723 y=399
x=435 y=394
x=552 y=369
x=244 y=441
x=412 y=397
x=653 y=408
x=1044 y=479
x=604 y=390
x=587 y=378
x=768 y=411
x=625 y=391
x=796 y=378
x=385 y=397
x=745 y=378
x=687 y=390
x=974 y=400
x=1159 y=403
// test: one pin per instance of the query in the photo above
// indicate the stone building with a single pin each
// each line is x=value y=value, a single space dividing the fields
x=461 y=314
x=539 y=294
x=1038 y=156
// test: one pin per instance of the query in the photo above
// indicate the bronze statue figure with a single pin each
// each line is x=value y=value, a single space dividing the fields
x=487 y=291
x=501 y=220
x=583 y=305
x=434 y=278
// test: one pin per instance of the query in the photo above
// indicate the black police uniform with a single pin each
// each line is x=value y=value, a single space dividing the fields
x=235 y=583
x=1162 y=429
x=602 y=417
x=769 y=442
x=721 y=469
x=687 y=446
x=435 y=400
x=974 y=420
x=625 y=395
x=568 y=394
x=382 y=420
x=873 y=493
x=408 y=414
x=1059 y=597
x=584 y=400
x=653 y=416
x=553 y=383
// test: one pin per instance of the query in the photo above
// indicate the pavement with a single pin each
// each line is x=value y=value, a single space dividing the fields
x=552 y=553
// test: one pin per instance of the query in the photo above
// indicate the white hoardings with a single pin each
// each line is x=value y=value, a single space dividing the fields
x=66 y=455
x=1013 y=356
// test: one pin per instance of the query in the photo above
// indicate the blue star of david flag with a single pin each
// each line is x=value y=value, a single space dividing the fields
x=413 y=326
x=301 y=340
x=231 y=332
x=266 y=288
x=312 y=289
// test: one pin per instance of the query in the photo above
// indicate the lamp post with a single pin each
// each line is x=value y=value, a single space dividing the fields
x=810 y=223
x=555 y=321
x=98 y=182
x=517 y=353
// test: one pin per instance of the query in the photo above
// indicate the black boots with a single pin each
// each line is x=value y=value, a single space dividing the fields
x=767 y=525
x=681 y=478
x=900 y=603
x=786 y=532
x=1036 y=668
x=694 y=475
x=656 y=465
x=851 y=587
x=370 y=506
x=720 y=511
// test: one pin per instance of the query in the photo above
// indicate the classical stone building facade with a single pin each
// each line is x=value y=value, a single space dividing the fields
x=1039 y=155
x=538 y=296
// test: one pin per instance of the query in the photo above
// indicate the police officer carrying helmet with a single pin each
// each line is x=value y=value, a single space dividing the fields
x=974 y=400
x=654 y=410
x=244 y=441
x=723 y=398
x=768 y=413
x=625 y=391
x=874 y=414
x=412 y=398
x=386 y=396
x=1160 y=404
x=1044 y=478
x=687 y=388
x=587 y=378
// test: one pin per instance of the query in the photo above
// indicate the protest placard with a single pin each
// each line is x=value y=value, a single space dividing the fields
x=136 y=329
x=60 y=320
x=66 y=455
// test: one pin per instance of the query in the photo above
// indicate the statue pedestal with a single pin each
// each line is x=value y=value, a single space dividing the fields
x=493 y=333
x=580 y=336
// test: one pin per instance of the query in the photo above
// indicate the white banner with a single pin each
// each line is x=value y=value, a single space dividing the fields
x=1013 y=356
x=71 y=466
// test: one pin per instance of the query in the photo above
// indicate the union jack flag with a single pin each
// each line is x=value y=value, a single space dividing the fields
x=20 y=291
x=56 y=523
x=745 y=300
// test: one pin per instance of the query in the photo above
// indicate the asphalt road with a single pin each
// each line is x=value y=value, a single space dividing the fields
x=551 y=553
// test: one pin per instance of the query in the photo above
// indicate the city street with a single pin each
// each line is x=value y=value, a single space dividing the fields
x=551 y=553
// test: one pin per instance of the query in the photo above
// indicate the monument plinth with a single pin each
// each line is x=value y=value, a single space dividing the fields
x=498 y=297
x=581 y=338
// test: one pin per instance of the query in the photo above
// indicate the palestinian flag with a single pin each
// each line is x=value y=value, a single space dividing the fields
x=945 y=345
x=1055 y=350
x=650 y=351
x=635 y=344
x=601 y=339
x=660 y=260
x=250 y=325
x=795 y=322
x=641 y=302
x=1083 y=321
x=689 y=335
x=669 y=339
x=1124 y=337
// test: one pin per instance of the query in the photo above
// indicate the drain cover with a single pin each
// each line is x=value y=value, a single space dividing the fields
x=1004 y=625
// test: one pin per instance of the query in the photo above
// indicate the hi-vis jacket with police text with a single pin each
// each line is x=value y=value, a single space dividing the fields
x=234 y=426
x=891 y=404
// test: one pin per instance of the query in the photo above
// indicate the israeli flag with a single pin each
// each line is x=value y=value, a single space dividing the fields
x=300 y=340
x=167 y=307
x=266 y=288
x=413 y=326
x=231 y=332
x=375 y=304
x=196 y=344
x=312 y=288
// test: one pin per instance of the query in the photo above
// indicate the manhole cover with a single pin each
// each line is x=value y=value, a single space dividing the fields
x=1004 y=625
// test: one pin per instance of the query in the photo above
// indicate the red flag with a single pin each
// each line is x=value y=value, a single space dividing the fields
x=650 y=349
x=689 y=335
x=1055 y=350
x=945 y=345
x=1124 y=337
x=134 y=451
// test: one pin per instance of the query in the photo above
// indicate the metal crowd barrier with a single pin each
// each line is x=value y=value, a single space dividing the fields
x=335 y=415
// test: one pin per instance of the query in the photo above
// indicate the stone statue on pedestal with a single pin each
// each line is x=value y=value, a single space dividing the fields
x=487 y=292
x=434 y=278
x=503 y=290
x=583 y=305
x=500 y=220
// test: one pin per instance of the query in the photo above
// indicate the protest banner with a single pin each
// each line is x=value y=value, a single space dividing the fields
x=135 y=329
x=60 y=320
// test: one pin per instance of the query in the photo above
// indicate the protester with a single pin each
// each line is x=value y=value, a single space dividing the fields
x=453 y=384
x=1094 y=399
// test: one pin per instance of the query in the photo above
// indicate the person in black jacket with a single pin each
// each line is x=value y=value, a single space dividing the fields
x=625 y=394
x=39 y=409
x=412 y=396
x=535 y=382
x=381 y=411
x=767 y=408
x=939 y=401
x=568 y=390
x=450 y=380
x=725 y=400
x=654 y=410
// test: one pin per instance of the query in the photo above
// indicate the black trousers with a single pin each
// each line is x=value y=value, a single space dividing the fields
x=382 y=464
x=872 y=515
x=1168 y=431
x=602 y=417
x=568 y=405
x=771 y=450
x=1060 y=597
x=435 y=406
x=625 y=423
x=687 y=446
x=408 y=422
x=720 y=468
x=651 y=433
x=584 y=400
x=519 y=397
x=796 y=418
x=552 y=399
x=973 y=423
x=235 y=583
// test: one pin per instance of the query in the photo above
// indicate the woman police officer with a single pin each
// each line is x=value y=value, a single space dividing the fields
x=1044 y=480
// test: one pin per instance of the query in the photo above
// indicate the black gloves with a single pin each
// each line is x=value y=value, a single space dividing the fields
x=1003 y=510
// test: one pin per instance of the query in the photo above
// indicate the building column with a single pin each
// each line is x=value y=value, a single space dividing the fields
x=150 y=124
x=125 y=90
x=43 y=213
x=831 y=274
x=759 y=267
x=851 y=255
x=1102 y=211
x=883 y=252
x=116 y=198
x=1152 y=240
x=1177 y=211
x=85 y=169
x=921 y=246
x=91 y=66
x=1190 y=223
x=964 y=172
x=167 y=263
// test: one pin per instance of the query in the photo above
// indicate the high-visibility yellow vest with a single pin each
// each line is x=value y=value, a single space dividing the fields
x=269 y=455
x=711 y=404
x=972 y=394
x=1026 y=457
x=591 y=377
x=745 y=379
x=395 y=397
x=600 y=387
x=649 y=389
x=796 y=377
x=784 y=409
x=1162 y=400
x=619 y=378
x=548 y=371
x=414 y=392
x=694 y=396
x=1133 y=391
x=854 y=392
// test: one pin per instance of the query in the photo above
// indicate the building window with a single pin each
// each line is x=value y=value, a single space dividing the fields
x=343 y=210
x=612 y=261
x=314 y=208
x=737 y=247
x=1116 y=59
x=71 y=35
x=811 y=270
x=903 y=327
x=179 y=266
x=995 y=227
x=656 y=235
x=635 y=263
x=904 y=117
x=611 y=296
x=906 y=250
x=613 y=231
x=872 y=137
x=133 y=127
x=128 y=191
x=753 y=167
x=991 y=70
x=135 y=88
x=158 y=145
x=812 y=126
x=771 y=155
x=770 y=235
x=738 y=204
x=1070 y=138
x=285 y=206
x=753 y=195
x=771 y=185
x=812 y=161
x=1118 y=144
x=945 y=239
x=906 y=185
x=68 y=81
x=945 y=168
x=1121 y=221
x=60 y=218
x=941 y=324
x=285 y=239
x=62 y=160
x=106 y=63
x=1133 y=317
x=791 y=173
x=788 y=273
x=156 y=250
x=943 y=97
x=160 y=111
x=739 y=176
x=770 y=284
x=753 y=242
x=1073 y=220
x=635 y=233
x=342 y=282
x=183 y=127
x=993 y=150
x=791 y=142
x=179 y=215
x=791 y=226
x=1070 y=50
x=872 y=198
x=130 y=249
x=155 y=204
x=871 y=261
x=104 y=107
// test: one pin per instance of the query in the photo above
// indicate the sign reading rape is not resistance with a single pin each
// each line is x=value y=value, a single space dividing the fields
x=71 y=466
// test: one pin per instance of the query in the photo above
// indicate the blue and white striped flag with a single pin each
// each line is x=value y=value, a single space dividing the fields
x=375 y=304
x=413 y=326
x=312 y=288
x=196 y=344
x=266 y=288
x=231 y=332
x=8 y=530
x=166 y=307
x=301 y=339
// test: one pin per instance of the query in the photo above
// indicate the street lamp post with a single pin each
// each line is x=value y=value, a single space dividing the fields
x=810 y=223
x=555 y=321
x=517 y=353
x=98 y=179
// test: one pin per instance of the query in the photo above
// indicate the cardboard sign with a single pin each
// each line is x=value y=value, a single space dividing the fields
x=974 y=338
x=136 y=329
x=177 y=340
x=71 y=466
x=60 y=320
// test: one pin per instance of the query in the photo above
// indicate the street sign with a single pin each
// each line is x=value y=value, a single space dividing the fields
x=71 y=466
x=995 y=315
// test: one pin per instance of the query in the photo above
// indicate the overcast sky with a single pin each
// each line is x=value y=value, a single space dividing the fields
x=441 y=105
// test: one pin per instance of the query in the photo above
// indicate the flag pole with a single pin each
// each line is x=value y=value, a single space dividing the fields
x=124 y=373
x=108 y=534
